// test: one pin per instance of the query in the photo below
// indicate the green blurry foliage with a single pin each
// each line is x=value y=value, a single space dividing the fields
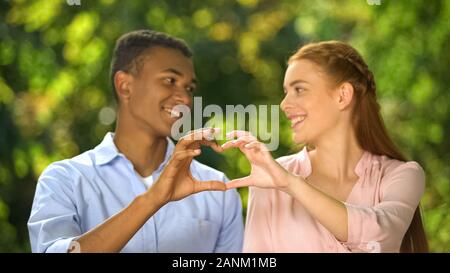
x=56 y=102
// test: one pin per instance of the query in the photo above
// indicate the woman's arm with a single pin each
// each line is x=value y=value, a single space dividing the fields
x=267 y=173
x=359 y=227
x=330 y=212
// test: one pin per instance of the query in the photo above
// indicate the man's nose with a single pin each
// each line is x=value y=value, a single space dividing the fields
x=182 y=96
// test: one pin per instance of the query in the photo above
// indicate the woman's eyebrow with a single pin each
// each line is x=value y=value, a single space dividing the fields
x=298 y=81
x=295 y=82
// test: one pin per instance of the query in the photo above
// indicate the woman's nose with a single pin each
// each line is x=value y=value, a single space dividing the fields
x=284 y=103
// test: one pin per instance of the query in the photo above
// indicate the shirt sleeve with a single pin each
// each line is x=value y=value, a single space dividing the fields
x=381 y=228
x=232 y=230
x=257 y=227
x=53 y=222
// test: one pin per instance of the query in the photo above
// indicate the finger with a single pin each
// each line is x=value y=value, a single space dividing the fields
x=200 y=134
x=231 y=144
x=227 y=145
x=239 y=182
x=209 y=186
x=176 y=161
x=197 y=131
x=238 y=133
x=238 y=142
x=204 y=133
x=256 y=145
x=213 y=144
x=179 y=156
x=251 y=145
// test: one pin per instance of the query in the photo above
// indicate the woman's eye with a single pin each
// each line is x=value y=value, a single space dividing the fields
x=299 y=89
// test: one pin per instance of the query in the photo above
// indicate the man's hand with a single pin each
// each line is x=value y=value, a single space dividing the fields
x=176 y=181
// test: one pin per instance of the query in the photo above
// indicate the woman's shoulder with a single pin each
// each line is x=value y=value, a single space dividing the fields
x=287 y=159
x=298 y=163
x=394 y=171
x=394 y=166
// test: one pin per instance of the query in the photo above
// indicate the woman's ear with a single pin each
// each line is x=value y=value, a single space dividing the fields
x=122 y=84
x=345 y=95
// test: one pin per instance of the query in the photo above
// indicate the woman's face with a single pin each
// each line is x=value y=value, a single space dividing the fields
x=310 y=102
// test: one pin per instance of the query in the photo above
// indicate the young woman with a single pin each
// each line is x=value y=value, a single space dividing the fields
x=349 y=189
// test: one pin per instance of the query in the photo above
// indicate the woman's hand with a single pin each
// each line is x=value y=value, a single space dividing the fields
x=176 y=181
x=265 y=171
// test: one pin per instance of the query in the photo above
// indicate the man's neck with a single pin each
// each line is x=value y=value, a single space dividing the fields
x=145 y=151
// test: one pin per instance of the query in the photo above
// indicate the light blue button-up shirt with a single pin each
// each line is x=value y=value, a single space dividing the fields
x=75 y=195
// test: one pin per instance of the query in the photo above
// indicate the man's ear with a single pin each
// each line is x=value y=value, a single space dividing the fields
x=345 y=95
x=122 y=84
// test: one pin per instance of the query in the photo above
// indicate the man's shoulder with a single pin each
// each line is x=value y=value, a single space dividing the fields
x=70 y=167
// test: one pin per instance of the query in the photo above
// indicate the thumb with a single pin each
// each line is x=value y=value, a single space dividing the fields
x=210 y=185
x=239 y=182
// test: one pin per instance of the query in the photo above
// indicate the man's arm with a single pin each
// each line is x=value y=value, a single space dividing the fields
x=174 y=183
x=232 y=230
x=54 y=222
x=113 y=234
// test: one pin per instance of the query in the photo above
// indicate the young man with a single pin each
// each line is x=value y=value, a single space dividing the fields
x=135 y=191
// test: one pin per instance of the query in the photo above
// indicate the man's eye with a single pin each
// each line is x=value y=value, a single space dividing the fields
x=190 y=89
x=170 y=81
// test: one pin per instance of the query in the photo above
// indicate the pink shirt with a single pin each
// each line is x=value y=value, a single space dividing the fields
x=380 y=208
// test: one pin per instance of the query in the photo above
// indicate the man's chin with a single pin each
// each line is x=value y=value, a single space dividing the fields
x=166 y=132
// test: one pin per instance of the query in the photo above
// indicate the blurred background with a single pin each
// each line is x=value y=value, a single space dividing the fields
x=56 y=100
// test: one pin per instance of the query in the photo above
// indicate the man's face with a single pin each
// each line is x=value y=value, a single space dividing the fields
x=166 y=79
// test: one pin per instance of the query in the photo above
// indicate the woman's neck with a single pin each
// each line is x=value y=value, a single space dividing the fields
x=337 y=155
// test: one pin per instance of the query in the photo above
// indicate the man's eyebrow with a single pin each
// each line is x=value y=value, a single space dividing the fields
x=176 y=72
x=173 y=70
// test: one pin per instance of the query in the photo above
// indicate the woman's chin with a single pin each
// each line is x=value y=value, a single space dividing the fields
x=298 y=138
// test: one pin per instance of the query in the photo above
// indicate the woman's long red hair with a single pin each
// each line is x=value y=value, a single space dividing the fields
x=344 y=64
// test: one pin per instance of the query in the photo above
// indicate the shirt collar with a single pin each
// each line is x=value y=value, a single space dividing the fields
x=107 y=150
x=169 y=152
x=306 y=169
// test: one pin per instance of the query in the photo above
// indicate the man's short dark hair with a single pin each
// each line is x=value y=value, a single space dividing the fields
x=131 y=48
